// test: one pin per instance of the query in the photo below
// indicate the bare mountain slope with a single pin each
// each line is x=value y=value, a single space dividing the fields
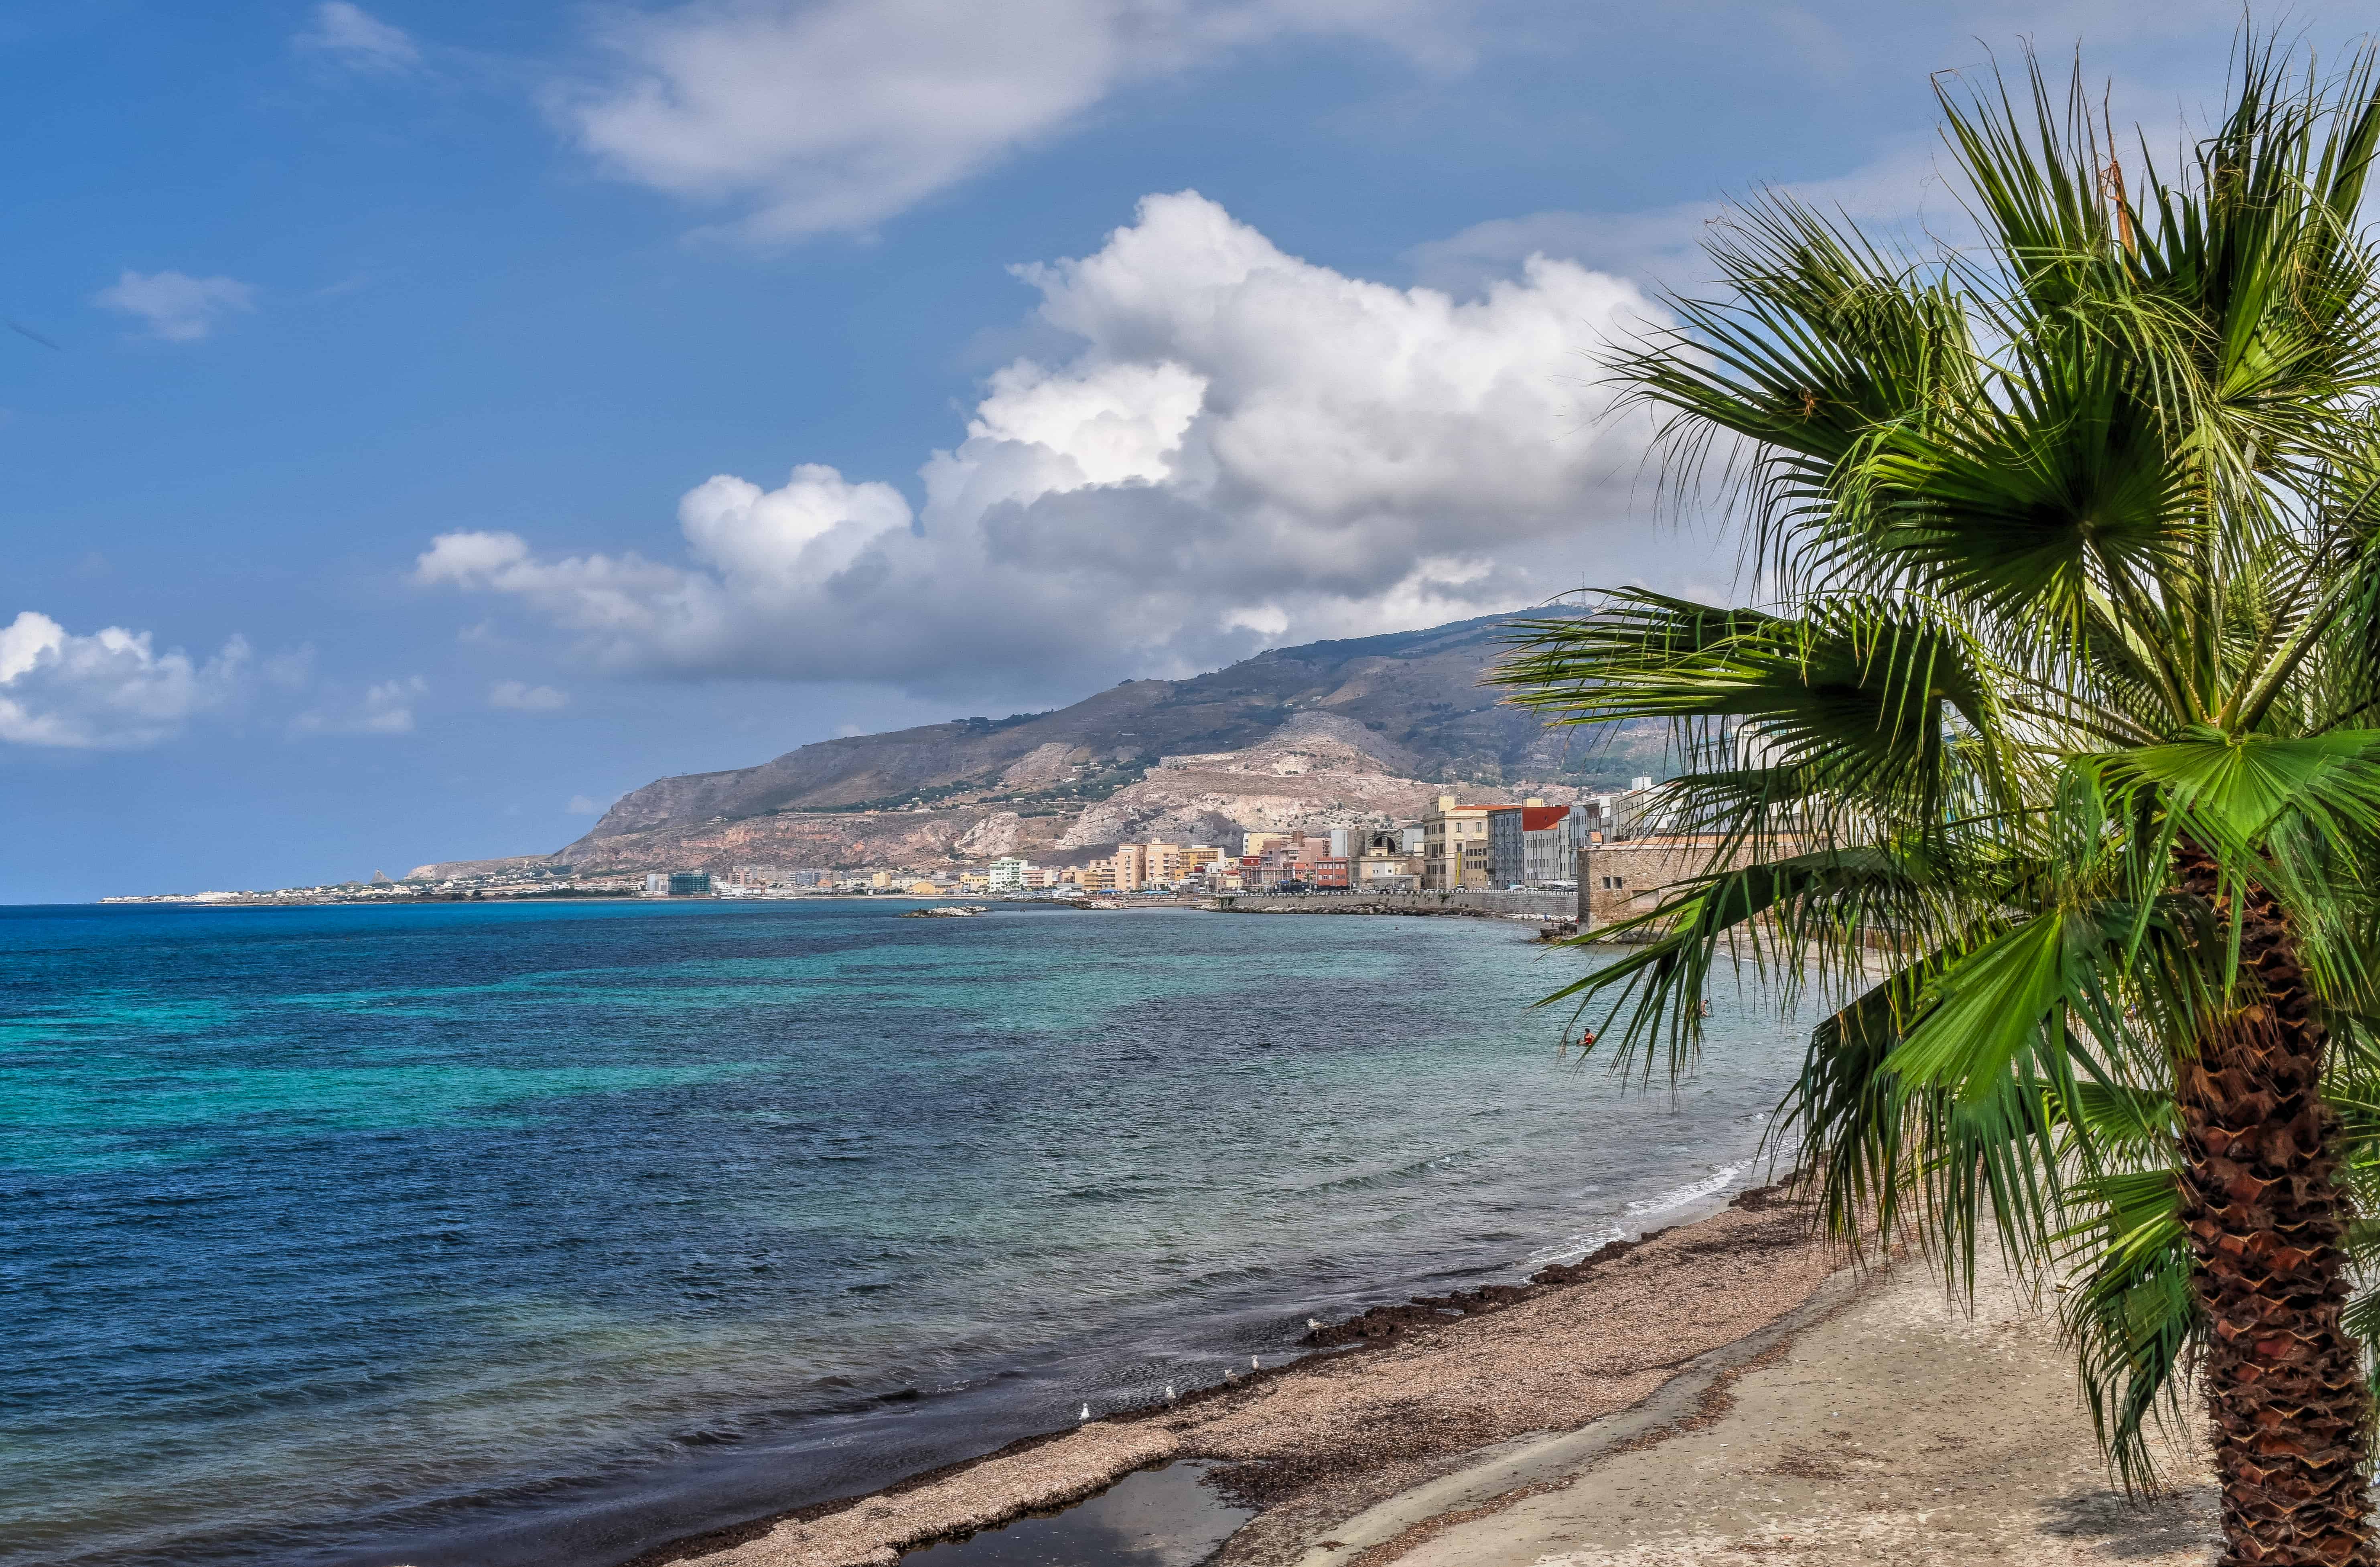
x=1359 y=730
x=1418 y=691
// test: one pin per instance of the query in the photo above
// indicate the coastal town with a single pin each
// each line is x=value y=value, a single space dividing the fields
x=1605 y=848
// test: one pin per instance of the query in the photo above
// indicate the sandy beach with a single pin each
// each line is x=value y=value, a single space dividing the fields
x=1723 y=1391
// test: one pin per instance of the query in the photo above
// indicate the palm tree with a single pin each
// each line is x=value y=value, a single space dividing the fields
x=2050 y=759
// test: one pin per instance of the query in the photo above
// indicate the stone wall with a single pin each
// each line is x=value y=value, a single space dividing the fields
x=1642 y=867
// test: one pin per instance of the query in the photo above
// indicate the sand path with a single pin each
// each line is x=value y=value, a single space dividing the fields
x=1880 y=1424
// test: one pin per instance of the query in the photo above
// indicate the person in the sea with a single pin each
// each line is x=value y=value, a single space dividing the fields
x=1586 y=1040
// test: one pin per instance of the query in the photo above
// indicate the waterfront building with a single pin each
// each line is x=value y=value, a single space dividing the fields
x=686 y=883
x=1161 y=864
x=1009 y=875
x=657 y=883
x=1625 y=815
x=1257 y=843
x=1382 y=863
x=1457 y=846
x=1507 y=856
x=1548 y=844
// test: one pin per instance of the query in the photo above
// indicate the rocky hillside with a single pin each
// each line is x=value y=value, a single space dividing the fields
x=1344 y=732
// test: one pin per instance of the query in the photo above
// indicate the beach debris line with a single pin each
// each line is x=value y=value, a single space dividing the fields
x=947 y=911
x=1383 y=1323
x=1311 y=1441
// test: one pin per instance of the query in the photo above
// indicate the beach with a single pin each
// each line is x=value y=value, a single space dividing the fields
x=1728 y=1390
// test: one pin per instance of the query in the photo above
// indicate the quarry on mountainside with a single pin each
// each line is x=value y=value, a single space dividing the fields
x=1359 y=733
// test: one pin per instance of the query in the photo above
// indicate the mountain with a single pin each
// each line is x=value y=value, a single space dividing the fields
x=1362 y=730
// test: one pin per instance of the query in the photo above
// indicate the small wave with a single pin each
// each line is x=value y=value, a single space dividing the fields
x=1577 y=1246
x=1708 y=1186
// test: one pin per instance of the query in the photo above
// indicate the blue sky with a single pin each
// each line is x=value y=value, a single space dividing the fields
x=425 y=422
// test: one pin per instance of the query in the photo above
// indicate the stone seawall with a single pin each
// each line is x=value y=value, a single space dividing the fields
x=1470 y=901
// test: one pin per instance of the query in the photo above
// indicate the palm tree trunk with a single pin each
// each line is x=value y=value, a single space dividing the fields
x=2284 y=1382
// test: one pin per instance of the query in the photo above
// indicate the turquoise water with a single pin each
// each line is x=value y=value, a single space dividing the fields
x=543 y=1233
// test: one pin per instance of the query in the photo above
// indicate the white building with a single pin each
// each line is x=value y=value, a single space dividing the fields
x=1010 y=875
x=1549 y=842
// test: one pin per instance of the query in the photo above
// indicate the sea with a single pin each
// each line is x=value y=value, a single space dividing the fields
x=526 y=1234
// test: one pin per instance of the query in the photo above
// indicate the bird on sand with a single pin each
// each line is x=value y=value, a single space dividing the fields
x=1254 y=1365
x=1314 y=1324
x=1170 y=1394
x=1086 y=1415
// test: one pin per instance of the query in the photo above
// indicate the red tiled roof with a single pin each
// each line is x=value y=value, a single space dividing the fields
x=1537 y=819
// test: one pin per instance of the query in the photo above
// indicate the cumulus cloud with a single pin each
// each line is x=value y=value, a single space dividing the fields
x=175 y=306
x=111 y=689
x=838 y=114
x=383 y=709
x=520 y=697
x=1246 y=448
x=359 y=40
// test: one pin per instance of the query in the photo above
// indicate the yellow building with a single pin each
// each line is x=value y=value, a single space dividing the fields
x=1257 y=843
x=881 y=878
x=1454 y=845
x=1128 y=867
x=923 y=889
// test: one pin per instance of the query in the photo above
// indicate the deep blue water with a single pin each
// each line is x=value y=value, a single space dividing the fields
x=542 y=1233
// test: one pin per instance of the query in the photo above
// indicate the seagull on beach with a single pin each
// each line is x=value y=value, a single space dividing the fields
x=1254 y=1365
x=1314 y=1324
x=1086 y=1415
x=1170 y=1394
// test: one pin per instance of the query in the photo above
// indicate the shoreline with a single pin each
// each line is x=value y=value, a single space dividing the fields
x=1383 y=1401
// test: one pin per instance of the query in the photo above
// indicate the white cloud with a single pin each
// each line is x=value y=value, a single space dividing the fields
x=111 y=689
x=385 y=708
x=1246 y=448
x=838 y=114
x=581 y=806
x=176 y=307
x=521 y=696
x=355 y=38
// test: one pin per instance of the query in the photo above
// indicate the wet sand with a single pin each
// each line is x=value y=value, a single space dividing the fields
x=1421 y=1391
